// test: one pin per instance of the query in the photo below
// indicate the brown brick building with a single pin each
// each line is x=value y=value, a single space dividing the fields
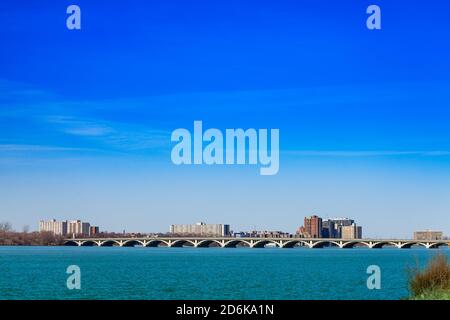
x=312 y=227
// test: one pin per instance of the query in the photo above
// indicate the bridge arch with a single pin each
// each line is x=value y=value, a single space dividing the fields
x=235 y=243
x=208 y=243
x=408 y=245
x=157 y=243
x=71 y=243
x=293 y=243
x=439 y=244
x=89 y=243
x=132 y=243
x=181 y=243
x=110 y=243
x=381 y=244
x=352 y=244
x=263 y=243
x=321 y=244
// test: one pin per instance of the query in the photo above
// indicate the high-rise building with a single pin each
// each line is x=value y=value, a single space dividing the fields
x=351 y=232
x=315 y=227
x=328 y=229
x=77 y=227
x=201 y=229
x=56 y=227
x=312 y=227
x=428 y=235
x=332 y=228
x=93 y=230
x=63 y=228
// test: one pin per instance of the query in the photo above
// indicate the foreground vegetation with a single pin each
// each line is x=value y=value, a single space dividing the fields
x=433 y=282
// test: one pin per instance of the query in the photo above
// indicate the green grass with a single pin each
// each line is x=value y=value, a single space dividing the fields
x=433 y=295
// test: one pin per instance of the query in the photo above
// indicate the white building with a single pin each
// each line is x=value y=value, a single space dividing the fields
x=351 y=232
x=63 y=228
x=428 y=235
x=77 y=227
x=201 y=229
x=56 y=227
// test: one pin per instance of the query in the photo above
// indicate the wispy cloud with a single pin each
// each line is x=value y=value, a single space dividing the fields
x=35 y=148
x=371 y=153
x=119 y=135
x=79 y=126
x=89 y=131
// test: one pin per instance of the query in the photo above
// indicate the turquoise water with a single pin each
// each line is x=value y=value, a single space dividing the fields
x=205 y=273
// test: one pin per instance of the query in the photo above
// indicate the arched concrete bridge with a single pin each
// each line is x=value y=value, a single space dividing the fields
x=252 y=242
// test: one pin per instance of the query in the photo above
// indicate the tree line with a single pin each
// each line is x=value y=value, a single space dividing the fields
x=9 y=237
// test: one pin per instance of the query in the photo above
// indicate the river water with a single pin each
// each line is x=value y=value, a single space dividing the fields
x=206 y=273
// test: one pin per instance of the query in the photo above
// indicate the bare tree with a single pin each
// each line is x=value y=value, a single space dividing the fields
x=26 y=229
x=5 y=227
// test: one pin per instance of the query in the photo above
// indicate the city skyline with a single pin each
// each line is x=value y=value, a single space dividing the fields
x=313 y=227
x=86 y=115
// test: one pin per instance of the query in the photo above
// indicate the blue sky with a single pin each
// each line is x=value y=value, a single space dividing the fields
x=86 y=116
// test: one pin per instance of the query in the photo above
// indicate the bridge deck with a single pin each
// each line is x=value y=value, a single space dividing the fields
x=230 y=242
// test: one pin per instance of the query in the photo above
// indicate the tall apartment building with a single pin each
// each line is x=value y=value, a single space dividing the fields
x=63 y=228
x=312 y=227
x=56 y=227
x=77 y=227
x=201 y=229
x=94 y=230
x=328 y=229
x=332 y=228
x=428 y=235
x=351 y=232
x=339 y=228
